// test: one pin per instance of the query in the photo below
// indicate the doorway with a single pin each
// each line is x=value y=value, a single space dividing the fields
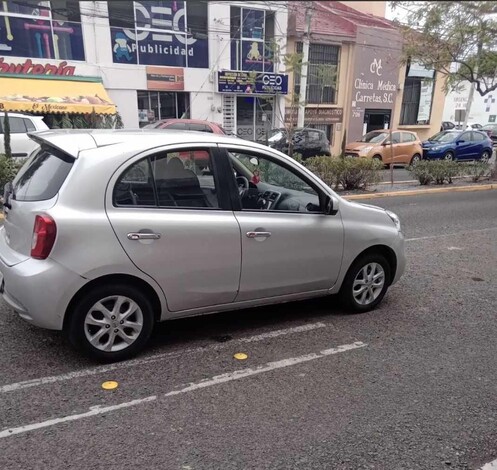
x=375 y=119
x=254 y=117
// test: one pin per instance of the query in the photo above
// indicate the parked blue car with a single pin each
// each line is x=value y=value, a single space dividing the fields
x=458 y=145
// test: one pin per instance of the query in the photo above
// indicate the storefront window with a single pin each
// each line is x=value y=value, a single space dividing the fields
x=418 y=95
x=45 y=30
x=322 y=73
x=252 y=40
x=172 y=33
x=157 y=105
x=254 y=117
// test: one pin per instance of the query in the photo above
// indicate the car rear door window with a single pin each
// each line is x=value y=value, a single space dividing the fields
x=135 y=187
x=407 y=137
x=29 y=125
x=185 y=179
x=17 y=125
x=42 y=176
x=478 y=137
x=396 y=138
x=182 y=179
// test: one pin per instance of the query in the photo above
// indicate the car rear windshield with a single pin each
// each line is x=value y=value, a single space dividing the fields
x=42 y=175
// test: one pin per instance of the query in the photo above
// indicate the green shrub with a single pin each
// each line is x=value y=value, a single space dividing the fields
x=478 y=170
x=438 y=171
x=8 y=170
x=298 y=157
x=349 y=173
x=421 y=171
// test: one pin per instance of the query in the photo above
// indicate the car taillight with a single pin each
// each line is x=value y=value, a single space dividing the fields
x=44 y=234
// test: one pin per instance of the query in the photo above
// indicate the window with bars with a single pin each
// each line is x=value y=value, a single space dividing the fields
x=322 y=72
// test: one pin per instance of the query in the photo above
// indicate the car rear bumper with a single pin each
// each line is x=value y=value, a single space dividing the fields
x=39 y=290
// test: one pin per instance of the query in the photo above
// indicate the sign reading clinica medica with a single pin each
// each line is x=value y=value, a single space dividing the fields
x=252 y=82
x=160 y=37
x=376 y=75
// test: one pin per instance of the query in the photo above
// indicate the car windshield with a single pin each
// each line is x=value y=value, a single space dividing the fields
x=374 y=137
x=276 y=135
x=443 y=136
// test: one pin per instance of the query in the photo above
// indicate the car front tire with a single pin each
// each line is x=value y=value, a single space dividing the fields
x=365 y=283
x=111 y=323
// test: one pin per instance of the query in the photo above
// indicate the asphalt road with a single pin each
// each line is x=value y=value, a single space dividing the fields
x=414 y=386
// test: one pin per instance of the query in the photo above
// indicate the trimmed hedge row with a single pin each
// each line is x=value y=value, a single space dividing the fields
x=442 y=171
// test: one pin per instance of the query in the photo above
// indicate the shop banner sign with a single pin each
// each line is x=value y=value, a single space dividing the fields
x=159 y=38
x=165 y=78
x=251 y=82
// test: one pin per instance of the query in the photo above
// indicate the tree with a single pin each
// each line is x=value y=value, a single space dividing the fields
x=6 y=135
x=458 y=39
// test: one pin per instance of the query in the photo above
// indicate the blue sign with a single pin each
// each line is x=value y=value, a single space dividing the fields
x=252 y=82
x=159 y=38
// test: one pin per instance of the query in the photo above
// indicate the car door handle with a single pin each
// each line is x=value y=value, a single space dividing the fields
x=143 y=236
x=258 y=234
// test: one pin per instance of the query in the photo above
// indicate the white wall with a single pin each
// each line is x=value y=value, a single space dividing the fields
x=478 y=113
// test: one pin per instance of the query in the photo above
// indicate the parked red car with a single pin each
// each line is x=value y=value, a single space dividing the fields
x=190 y=125
x=187 y=125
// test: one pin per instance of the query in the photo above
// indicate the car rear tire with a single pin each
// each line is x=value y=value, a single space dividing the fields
x=485 y=156
x=111 y=323
x=365 y=283
x=415 y=159
x=448 y=156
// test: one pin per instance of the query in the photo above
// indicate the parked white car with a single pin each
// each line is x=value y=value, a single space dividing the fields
x=20 y=125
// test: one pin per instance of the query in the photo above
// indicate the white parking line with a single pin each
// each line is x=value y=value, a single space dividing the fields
x=216 y=380
x=490 y=466
x=157 y=357
x=429 y=237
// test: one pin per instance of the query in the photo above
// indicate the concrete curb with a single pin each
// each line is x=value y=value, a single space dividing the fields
x=416 y=192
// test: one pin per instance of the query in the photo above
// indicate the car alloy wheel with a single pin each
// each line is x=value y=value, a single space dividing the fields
x=368 y=283
x=415 y=159
x=113 y=323
x=365 y=283
x=449 y=156
x=485 y=156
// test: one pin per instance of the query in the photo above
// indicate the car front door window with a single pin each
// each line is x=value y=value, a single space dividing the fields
x=266 y=185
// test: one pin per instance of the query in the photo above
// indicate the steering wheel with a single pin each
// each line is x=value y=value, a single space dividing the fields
x=243 y=185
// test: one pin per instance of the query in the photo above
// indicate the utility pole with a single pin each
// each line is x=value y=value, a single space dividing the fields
x=305 y=60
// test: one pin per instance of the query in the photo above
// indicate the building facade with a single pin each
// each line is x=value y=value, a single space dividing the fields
x=365 y=86
x=218 y=61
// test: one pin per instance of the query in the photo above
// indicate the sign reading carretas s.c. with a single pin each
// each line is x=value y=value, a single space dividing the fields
x=252 y=82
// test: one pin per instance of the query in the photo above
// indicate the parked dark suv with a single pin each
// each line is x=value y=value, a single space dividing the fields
x=308 y=142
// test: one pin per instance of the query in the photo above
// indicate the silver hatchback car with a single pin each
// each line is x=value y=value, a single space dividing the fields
x=108 y=232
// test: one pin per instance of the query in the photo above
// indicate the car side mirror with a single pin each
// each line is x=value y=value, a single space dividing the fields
x=460 y=141
x=330 y=205
x=386 y=142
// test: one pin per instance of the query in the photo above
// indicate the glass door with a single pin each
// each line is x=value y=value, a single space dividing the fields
x=254 y=117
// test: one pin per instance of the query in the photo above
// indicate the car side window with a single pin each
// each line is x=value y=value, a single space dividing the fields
x=267 y=185
x=180 y=179
x=184 y=179
x=313 y=136
x=200 y=127
x=135 y=186
x=396 y=138
x=177 y=125
x=407 y=137
x=466 y=136
x=478 y=137
x=17 y=125
x=29 y=125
